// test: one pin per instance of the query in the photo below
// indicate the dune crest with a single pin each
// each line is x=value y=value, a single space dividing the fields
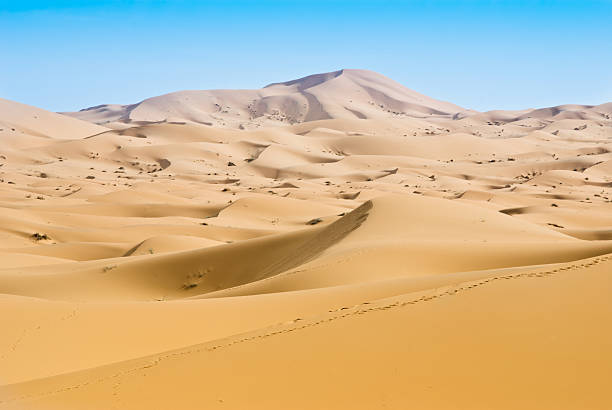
x=334 y=241
x=340 y=94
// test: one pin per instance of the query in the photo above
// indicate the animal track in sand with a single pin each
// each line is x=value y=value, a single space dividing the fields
x=295 y=325
x=34 y=328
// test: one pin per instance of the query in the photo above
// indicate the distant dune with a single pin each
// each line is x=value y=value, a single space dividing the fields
x=340 y=94
x=336 y=241
x=21 y=119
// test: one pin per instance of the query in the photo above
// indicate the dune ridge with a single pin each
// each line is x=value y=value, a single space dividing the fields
x=340 y=94
x=130 y=369
x=334 y=241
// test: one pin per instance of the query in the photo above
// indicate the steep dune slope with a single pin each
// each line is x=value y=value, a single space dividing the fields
x=384 y=248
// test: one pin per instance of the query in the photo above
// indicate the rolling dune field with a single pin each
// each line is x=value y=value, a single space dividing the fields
x=336 y=241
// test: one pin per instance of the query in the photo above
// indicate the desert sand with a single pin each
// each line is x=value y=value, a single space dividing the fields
x=336 y=241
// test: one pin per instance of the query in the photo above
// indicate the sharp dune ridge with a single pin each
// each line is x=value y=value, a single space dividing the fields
x=334 y=241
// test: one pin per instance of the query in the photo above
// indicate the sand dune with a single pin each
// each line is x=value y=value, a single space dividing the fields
x=336 y=241
x=20 y=121
x=340 y=94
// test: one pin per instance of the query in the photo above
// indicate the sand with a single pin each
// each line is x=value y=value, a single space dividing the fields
x=336 y=241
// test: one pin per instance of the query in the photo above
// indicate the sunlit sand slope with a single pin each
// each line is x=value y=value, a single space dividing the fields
x=336 y=241
x=506 y=340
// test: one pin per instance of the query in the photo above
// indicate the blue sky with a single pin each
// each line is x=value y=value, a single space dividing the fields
x=481 y=54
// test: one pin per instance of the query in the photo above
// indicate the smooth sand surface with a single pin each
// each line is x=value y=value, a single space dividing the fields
x=337 y=241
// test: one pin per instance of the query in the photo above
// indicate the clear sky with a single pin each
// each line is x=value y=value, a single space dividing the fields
x=481 y=54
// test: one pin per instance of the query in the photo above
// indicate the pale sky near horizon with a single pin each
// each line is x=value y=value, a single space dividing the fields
x=482 y=54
